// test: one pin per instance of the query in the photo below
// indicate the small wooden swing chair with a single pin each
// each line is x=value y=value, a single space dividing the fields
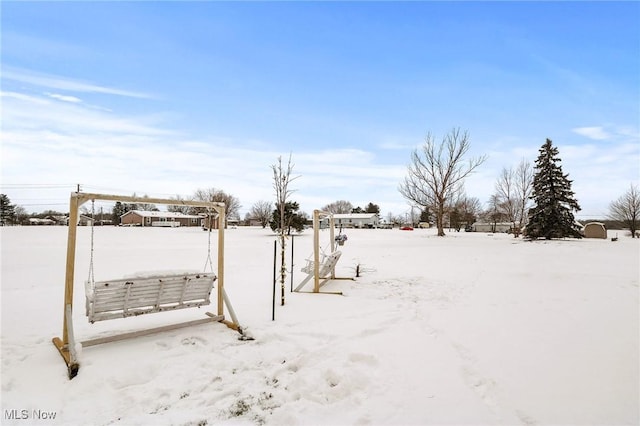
x=322 y=268
x=129 y=297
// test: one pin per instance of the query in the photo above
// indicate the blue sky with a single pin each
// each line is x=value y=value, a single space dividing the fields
x=163 y=98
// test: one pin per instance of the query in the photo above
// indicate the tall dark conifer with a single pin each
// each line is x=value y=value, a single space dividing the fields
x=118 y=210
x=551 y=216
x=7 y=210
x=291 y=218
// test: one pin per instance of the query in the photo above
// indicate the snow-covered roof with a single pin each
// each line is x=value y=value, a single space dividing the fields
x=168 y=215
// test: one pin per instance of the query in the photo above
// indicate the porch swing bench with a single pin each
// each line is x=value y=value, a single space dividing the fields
x=144 y=293
x=127 y=297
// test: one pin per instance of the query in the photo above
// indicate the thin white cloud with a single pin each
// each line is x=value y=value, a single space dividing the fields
x=596 y=132
x=23 y=97
x=63 y=98
x=29 y=113
x=64 y=83
x=395 y=145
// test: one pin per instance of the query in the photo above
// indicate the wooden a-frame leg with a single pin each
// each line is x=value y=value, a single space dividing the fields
x=68 y=350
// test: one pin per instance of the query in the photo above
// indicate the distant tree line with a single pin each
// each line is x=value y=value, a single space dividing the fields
x=537 y=201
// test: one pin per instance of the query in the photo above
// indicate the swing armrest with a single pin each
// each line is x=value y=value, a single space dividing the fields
x=88 y=290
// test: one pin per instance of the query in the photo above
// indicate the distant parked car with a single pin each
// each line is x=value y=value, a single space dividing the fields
x=406 y=228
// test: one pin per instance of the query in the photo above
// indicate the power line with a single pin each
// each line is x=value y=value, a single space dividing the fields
x=44 y=204
x=36 y=185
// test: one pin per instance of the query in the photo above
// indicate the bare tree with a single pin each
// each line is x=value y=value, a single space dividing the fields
x=232 y=204
x=147 y=206
x=513 y=189
x=21 y=214
x=467 y=210
x=495 y=212
x=339 y=207
x=461 y=210
x=261 y=211
x=398 y=220
x=437 y=172
x=504 y=199
x=178 y=208
x=524 y=189
x=281 y=179
x=627 y=209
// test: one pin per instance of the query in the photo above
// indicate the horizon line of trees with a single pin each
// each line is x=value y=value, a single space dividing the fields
x=463 y=211
x=538 y=200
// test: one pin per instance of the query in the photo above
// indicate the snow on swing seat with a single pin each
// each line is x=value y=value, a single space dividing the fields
x=147 y=293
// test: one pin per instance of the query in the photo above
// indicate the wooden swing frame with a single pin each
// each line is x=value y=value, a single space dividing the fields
x=66 y=344
x=333 y=257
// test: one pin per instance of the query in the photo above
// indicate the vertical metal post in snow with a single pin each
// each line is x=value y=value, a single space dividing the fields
x=275 y=256
x=283 y=268
x=291 y=272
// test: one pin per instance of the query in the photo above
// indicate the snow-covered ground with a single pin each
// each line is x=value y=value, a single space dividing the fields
x=467 y=329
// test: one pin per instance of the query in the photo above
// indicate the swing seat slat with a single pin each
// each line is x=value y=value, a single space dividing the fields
x=126 y=297
x=326 y=264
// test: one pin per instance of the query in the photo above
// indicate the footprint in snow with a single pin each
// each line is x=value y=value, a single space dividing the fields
x=193 y=341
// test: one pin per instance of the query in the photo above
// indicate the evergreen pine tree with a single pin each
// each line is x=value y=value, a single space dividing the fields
x=291 y=218
x=425 y=215
x=551 y=215
x=372 y=208
x=118 y=210
x=7 y=210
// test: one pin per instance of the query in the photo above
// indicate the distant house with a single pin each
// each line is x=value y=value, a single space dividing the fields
x=37 y=221
x=162 y=219
x=60 y=220
x=595 y=230
x=254 y=222
x=356 y=220
x=84 y=220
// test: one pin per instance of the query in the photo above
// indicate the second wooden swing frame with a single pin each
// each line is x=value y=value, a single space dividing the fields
x=319 y=281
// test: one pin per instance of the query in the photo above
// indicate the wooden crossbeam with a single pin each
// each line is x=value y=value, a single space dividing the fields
x=146 y=332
